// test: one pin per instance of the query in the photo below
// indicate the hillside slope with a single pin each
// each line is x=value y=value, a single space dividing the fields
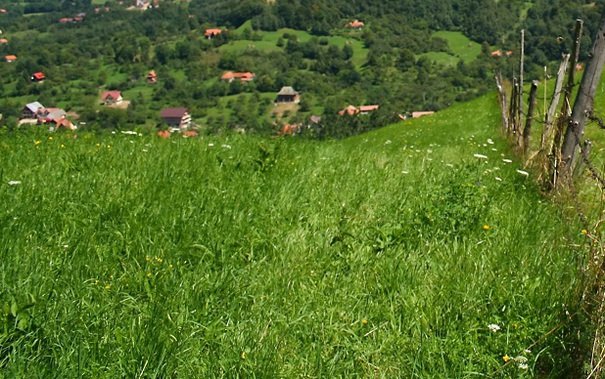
x=411 y=251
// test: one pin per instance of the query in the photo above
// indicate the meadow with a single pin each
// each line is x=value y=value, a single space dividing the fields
x=417 y=250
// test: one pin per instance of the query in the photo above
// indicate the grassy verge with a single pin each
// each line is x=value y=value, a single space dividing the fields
x=390 y=254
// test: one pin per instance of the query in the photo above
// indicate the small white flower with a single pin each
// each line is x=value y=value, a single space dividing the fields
x=490 y=141
x=388 y=142
x=405 y=172
x=527 y=351
x=14 y=182
x=210 y=144
x=507 y=161
x=480 y=156
x=520 y=359
x=129 y=132
x=498 y=178
x=524 y=173
x=493 y=327
x=494 y=149
x=225 y=146
x=523 y=366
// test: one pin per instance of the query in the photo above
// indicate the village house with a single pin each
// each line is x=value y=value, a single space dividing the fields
x=3 y=41
x=288 y=95
x=176 y=118
x=10 y=58
x=500 y=53
x=352 y=110
x=290 y=129
x=32 y=110
x=111 y=97
x=152 y=77
x=38 y=77
x=419 y=114
x=212 y=32
x=3 y=11
x=142 y=4
x=230 y=76
x=356 y=24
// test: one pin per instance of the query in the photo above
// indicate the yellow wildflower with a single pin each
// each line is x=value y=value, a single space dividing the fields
x=37 y=142
x=108 y=286
x=243 y=355
x=506 y=358
x=584 y=232
x=364 y=322
x=486 y=227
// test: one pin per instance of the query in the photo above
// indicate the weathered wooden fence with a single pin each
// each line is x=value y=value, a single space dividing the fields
x=563 y=153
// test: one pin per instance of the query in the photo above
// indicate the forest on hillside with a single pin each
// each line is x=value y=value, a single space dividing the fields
x=402 y=59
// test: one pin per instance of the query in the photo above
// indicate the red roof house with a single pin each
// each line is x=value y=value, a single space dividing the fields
x=356 y=24
x=241 y=76
x=10 y=58
x=176 y=118
x=213 y=32
x=38 y=76
x=3 y=40
x=352 y=110
x=289 y=129
x=152 y=77
x=111 y=97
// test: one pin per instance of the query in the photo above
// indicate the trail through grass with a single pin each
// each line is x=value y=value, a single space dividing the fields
x=386 y=255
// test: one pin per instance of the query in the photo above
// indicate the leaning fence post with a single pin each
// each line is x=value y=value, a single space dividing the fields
x=554 y=103
x=503 y=102
x=583 y=105
x=530 y=116
x=513 y=108
x=566 y=108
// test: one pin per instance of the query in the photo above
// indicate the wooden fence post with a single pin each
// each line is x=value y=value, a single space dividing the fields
x=520 y=93
x=530 y=115
x=584 y=100
x=503 y=102
x=512 y=120
x=554 y=103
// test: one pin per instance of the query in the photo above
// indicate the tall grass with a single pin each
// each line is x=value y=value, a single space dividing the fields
x=386 y=255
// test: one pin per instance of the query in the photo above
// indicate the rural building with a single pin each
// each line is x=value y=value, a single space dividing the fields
x=3 y=41
x=176 y=118
x=290 y=129
x=356 y=24
x=421 y=114
x=500 y=53
x=230 y=76
x=32 y=110
x=111 y=97
x=142 y=4
x=213 y=32
x=288 y=95
x=59 y=123
x=152 y=77
x=352 y=110
x=38 y=76
x=3 y=11
x=10 y=58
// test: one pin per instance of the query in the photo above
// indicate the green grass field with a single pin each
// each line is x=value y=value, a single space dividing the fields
x=386 y=255
x=268 y=42
x=461 y=46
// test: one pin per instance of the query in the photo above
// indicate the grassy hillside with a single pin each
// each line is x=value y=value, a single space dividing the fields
x=386 y=255
x=462 y=49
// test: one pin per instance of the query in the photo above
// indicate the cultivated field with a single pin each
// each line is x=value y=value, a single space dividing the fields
x=417 y=250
